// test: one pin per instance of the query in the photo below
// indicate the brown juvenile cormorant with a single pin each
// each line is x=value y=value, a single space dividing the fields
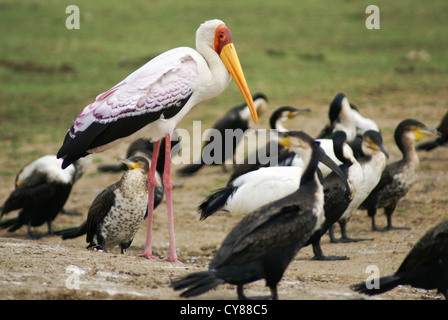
x=75 y=232
x=118 y=211
x=264 y=242
x=398 y=177
x=41 y=191
x=442 y=140
x=425 y=266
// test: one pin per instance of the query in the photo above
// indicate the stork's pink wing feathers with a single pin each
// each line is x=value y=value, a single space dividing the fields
x=162 y=82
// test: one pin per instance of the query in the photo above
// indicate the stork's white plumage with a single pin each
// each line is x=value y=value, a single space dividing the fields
x=151 y=101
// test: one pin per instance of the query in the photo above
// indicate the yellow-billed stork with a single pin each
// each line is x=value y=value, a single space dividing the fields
x=152 y=100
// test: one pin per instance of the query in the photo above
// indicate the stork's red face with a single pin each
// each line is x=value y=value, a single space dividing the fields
x=226 y=50
x=222 y=38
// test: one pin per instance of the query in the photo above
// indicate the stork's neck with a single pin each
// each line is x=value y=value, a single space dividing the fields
x=215 y=65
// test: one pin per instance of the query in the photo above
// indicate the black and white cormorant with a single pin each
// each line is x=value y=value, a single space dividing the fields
x=398 y=177
x=341 y=119
x=345 y=116
x=256 y=188
x=265 y=241
x=363 y=124
x=237 y=118
x=442 y=140
x=425 y=266
x=41 y=191
x=276 y=122
x=117 y=212
x=327 y=144
x=337 y=196
x=150 y=103
x=364 y=174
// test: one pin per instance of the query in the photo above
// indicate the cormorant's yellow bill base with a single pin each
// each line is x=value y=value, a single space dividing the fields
x=284 y=141
x=421 y=133
x=277 y=136
x=230 y=58
x=129 y=164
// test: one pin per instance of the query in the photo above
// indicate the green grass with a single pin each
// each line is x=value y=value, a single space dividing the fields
x=294 y=51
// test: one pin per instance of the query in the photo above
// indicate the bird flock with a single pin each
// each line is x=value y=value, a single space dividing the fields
x=309 y=186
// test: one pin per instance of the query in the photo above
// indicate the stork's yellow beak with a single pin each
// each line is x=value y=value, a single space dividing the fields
x=230 y=58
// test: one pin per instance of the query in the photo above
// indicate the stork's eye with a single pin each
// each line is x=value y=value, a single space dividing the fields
x=222 y=37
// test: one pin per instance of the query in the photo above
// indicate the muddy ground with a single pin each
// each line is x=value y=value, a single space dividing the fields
x=51 y=268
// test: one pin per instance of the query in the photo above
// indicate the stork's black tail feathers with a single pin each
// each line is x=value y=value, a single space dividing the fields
x=190 y=169
x=197 y=283
x=384 y=284
x=215 y=202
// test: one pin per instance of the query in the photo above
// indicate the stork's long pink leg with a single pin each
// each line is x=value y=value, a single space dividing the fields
x=169 y=202
x=151 y=186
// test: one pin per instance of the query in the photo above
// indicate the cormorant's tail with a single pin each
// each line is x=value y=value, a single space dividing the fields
x=215 y=202
x=197 y=283
x=71 y=233
x=112 y=168
x=428 y=146
x=13 y=224
x=190 y=169
x=385 y=284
